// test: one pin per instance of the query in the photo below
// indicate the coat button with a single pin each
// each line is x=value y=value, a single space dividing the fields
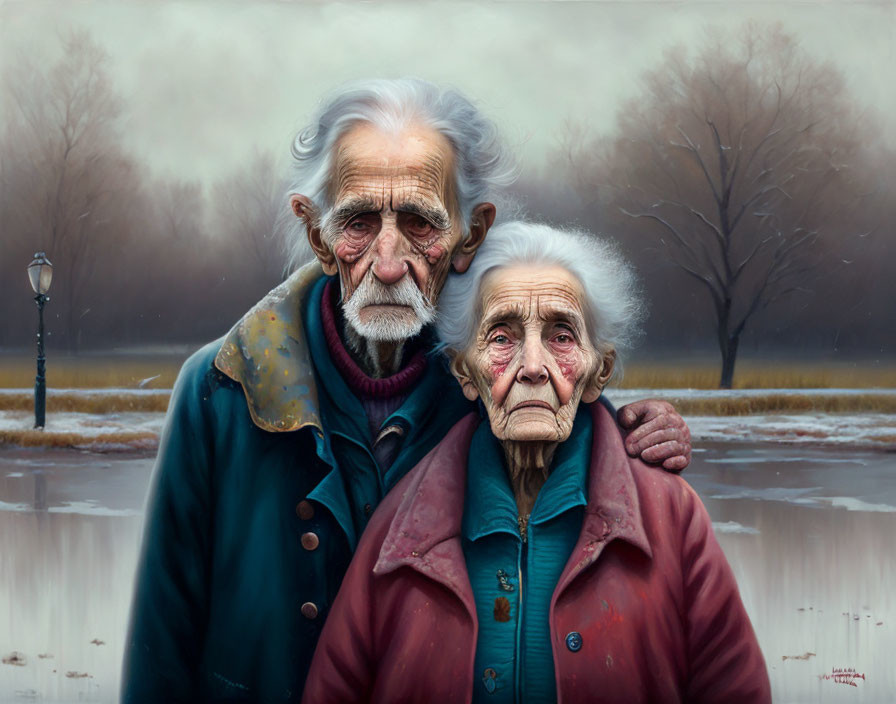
x=310 y=541
x=309 y=610
x=305 y=510
x=574 y=641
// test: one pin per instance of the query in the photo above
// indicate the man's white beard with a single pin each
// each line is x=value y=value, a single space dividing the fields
x=387 y=326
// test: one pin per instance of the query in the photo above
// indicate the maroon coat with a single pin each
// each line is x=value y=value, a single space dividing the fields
x=646 y=586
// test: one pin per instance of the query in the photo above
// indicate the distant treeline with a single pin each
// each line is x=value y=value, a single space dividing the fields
x=755 y=199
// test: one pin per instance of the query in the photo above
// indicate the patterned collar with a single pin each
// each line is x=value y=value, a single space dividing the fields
x=267 y=354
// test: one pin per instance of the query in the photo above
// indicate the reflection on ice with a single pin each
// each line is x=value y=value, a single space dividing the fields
x=808 y=533
x=67 y=578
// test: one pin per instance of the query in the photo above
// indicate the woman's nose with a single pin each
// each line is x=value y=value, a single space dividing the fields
x=533 y=369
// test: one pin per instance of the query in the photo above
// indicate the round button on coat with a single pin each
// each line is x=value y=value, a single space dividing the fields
x=574 y=641
x=309 y=610
x=310 y=541
x=305 y=510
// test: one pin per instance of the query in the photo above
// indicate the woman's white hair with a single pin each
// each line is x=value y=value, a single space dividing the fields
x=482 y=163
x=613 y=307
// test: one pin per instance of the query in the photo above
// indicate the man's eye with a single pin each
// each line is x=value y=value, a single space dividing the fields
x=500 y=339
x=418 y=226
x=564 y=338
x=360 y=226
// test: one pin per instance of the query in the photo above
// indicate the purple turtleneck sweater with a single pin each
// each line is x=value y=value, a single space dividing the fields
x=379 y=397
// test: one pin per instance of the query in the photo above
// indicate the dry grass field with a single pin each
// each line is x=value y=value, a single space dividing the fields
x=86 y=402
x=92 y=372
x=761 y=374
x=784 y=403
x=127 y=372
x=40 y=438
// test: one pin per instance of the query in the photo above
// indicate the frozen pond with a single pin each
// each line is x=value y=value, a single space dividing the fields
x=809 y=532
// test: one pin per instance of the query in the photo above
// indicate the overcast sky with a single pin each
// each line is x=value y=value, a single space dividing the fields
x=205 y=83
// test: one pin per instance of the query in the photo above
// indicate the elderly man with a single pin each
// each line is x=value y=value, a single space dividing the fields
x=282 y=439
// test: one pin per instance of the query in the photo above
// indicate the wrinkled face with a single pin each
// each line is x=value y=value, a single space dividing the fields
x=531 y=360
x=393 y=228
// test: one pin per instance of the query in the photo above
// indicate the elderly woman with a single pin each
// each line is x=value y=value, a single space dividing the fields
x=529 y=558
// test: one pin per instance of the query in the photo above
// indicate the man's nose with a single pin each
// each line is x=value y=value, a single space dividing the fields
x=390 y=261
x=533 y=368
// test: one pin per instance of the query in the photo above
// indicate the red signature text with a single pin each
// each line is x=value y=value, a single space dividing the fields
x=844 y=675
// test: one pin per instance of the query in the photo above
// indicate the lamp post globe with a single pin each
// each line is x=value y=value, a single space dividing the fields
x=40 y=274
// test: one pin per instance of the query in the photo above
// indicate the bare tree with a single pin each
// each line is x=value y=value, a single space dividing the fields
x=71 y=175
x=739 y=160
x=247 y=206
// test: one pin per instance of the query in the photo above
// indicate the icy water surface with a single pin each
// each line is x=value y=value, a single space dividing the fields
x=810 y=534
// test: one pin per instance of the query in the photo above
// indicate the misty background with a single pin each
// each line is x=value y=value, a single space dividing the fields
x=741 y=154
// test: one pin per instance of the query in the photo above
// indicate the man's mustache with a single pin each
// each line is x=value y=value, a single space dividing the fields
x=372 y=292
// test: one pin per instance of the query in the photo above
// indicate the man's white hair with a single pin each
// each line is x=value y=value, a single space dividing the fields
x=613 y=308
x=482 y=163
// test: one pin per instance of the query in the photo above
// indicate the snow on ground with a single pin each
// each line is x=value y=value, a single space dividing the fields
x=86 y=424
x=861 y=429
x=96 y=431
x=876 y=430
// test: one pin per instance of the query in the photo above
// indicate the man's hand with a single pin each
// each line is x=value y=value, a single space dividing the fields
x=657 y=433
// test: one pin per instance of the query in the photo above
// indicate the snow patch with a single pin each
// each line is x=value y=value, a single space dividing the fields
x=82 y=508
x=862 y=429
x=4 y=506
x=91 y=508
x=758 y=459
x=853 y=504
x=734 y=527
x=87 y=425
x=804 y=497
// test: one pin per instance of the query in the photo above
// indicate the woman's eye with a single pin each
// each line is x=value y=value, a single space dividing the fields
x=564 y=338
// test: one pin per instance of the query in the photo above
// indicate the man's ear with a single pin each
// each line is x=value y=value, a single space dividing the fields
x=600 y=377
x=460 y=371
x=482 y=219
x=304 y=209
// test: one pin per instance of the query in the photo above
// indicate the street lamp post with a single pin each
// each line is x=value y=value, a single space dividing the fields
x=40 y=273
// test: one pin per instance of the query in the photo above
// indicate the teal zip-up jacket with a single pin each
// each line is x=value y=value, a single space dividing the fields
x=239 y=565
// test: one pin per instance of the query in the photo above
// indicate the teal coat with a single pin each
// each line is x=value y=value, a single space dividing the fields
x=235 y=577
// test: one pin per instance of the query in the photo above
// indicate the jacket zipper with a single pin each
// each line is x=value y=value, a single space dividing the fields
x=522 y=555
